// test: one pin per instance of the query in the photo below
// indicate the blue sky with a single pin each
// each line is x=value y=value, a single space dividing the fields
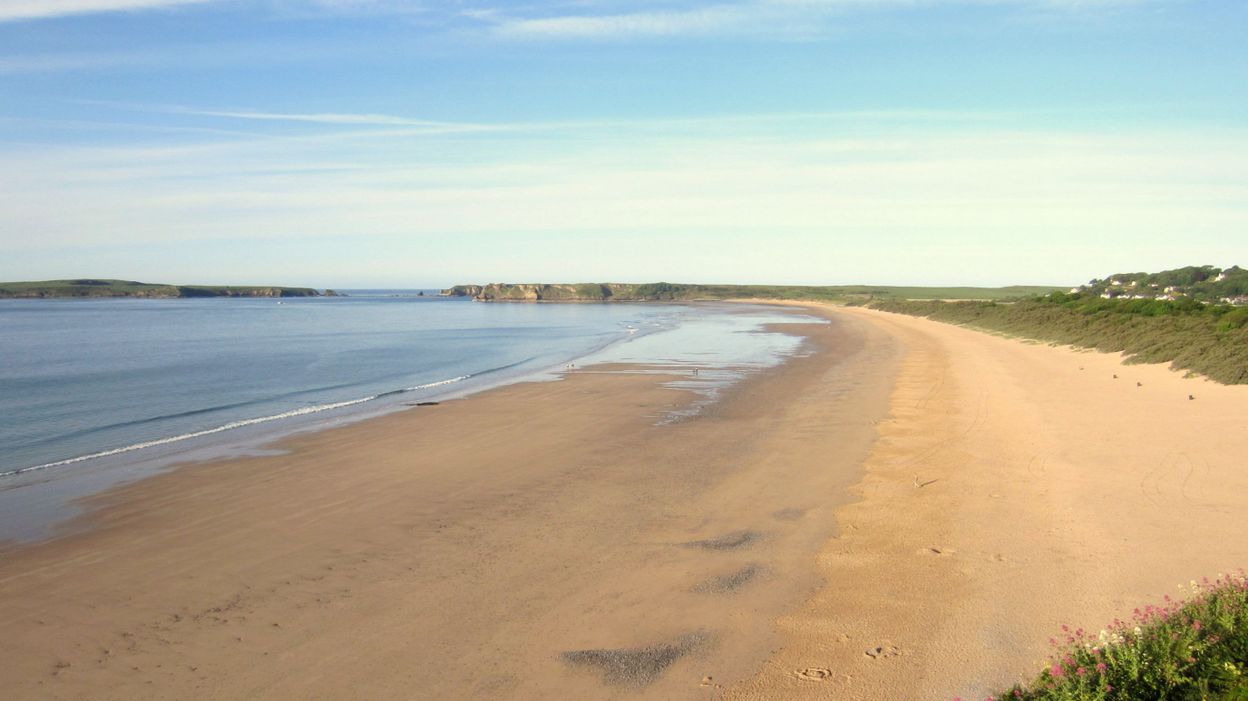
x=402 y=143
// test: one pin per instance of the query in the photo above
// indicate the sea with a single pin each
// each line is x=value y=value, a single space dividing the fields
x=94 y=392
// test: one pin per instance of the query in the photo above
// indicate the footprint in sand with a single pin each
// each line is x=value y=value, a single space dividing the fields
x=881 y=652
x=814 y=674
x=939 y=552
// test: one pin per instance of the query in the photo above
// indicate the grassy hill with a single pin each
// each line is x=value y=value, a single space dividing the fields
x=129 y=288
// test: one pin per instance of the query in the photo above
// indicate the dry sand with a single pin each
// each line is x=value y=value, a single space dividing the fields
x=1015 y=487
x=551 y=541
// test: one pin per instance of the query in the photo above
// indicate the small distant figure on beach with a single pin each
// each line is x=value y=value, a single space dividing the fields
x=695 y=372
x=1190 y=397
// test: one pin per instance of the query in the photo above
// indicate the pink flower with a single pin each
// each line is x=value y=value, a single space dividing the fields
x=1056 y=670
x=1100 y=666
x=1195 y=625
x=1081 y=671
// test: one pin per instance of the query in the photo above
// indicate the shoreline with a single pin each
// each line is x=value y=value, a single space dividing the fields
x=35 y=498
x=522 y=531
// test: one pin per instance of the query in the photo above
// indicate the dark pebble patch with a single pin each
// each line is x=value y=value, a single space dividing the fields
x=634 y=667
x=728 y=583
x=728 y=541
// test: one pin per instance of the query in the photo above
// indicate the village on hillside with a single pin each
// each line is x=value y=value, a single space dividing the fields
x=1199 y=283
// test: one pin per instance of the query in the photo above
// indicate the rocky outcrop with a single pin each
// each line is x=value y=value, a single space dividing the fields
x=578 y=292
x=462 y=291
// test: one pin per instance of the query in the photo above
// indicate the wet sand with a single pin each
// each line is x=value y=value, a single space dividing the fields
x=1015 y=487
x=543 y=540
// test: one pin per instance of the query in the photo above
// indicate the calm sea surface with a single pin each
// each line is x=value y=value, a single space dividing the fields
x=89 y=389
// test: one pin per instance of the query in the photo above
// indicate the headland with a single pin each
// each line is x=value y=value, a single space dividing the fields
x=91 y=287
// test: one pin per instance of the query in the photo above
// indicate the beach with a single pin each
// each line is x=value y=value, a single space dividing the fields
x=910 y=511
x=1015 y=488
x=487 y=547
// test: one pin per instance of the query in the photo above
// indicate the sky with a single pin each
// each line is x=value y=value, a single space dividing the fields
x=410 y=143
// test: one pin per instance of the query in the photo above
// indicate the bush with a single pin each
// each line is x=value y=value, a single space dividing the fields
x=1195 y=649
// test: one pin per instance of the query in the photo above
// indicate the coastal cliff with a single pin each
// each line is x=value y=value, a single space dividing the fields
x=580 y=292
x=668 y=291
x=127 y=288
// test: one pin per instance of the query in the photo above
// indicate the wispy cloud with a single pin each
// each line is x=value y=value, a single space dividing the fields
x=695 y=21
x=795 y=18
x=313 y=118
x=57 y=63
x=344 y=126
x=13 y=10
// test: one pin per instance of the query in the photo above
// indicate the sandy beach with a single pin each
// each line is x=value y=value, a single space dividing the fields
x=909 y=512
x=1015 y=487
x=543 y=540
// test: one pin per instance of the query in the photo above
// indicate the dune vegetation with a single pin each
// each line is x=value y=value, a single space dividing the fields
x=1209 y=339
x=1193 y=649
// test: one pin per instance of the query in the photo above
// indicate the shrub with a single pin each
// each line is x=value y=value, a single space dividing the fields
x=1181 y=650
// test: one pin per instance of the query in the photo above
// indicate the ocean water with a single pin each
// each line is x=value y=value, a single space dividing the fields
x=96 y=391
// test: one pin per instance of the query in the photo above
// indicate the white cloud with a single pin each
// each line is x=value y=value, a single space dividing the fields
x=793 y=18
x=314 y=118
x=696 y=21
x=11 y=10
